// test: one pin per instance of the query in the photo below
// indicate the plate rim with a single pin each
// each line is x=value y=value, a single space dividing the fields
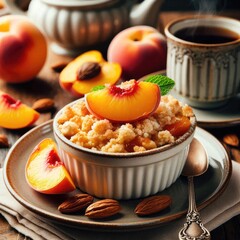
x=104 y=225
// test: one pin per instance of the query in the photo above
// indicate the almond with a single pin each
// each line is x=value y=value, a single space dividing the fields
x=235 y=153
x=75 y=203
x=103 y=208
x=1 y=4
x=59 y=66
x=43 y=105
x=153 y=204
x=3 y=141
x=231 y=139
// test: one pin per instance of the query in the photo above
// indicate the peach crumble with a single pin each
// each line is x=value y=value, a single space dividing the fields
x=84 y=129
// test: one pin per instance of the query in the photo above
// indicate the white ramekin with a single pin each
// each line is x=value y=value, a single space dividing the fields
x=124 y=175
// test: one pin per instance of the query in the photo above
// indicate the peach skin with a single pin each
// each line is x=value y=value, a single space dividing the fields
x=139 y=50
x=23 y=49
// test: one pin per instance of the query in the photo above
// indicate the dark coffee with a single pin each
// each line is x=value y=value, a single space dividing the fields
x=207 y=35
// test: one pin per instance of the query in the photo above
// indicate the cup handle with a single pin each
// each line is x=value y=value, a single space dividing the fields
x=14 y=8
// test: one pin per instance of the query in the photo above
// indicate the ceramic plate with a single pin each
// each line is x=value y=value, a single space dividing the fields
x=208 y=187
x=228 y=115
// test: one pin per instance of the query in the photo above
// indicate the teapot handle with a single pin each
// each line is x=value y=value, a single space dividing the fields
x=13 y=7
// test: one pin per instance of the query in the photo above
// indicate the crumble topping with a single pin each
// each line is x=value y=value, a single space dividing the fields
x=83 y=128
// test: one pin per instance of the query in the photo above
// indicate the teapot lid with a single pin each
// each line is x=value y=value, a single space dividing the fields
x=85 y=4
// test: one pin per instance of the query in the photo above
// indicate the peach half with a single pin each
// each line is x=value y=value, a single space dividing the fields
x=14 y=114
x=130 y=101
x=45 y=171
x=87 y=71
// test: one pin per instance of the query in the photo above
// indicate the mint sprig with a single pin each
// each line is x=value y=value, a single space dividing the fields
x=96 y=88
x=165 y=83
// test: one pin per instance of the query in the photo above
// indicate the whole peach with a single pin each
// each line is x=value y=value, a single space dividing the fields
x=23 y=49
x=139 y=50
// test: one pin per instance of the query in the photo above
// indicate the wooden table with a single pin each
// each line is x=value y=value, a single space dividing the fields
x=46 y=86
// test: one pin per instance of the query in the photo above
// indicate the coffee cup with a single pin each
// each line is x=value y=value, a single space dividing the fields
x=204 y=59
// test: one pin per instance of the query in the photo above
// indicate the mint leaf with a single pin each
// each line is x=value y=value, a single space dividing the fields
x=165 y=83
x=96 y=88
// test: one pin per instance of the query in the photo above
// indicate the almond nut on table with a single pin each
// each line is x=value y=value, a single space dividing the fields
x=76 y=203
x=231 y=139
x=3 y=141
x=43 y=105
x=103 y=208
x=59 y=66
x=153 y=204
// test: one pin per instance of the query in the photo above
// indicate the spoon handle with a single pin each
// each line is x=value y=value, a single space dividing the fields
x=193 y=228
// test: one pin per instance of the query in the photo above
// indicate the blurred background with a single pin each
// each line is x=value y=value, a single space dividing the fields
x=213 y=6
x=200 y=5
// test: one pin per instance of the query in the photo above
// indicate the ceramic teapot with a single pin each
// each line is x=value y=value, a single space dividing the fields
x=76 y=24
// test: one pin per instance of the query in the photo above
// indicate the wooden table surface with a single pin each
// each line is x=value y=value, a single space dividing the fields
x=46 y=86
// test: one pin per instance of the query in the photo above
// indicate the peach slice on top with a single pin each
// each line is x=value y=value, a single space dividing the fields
x=130 y=101
x=14 y=114
x=45 y=171
x=87 y=71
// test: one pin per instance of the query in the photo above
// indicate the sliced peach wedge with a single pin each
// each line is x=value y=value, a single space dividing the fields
x=178 y=128
x=87 y=71
x=14 y=114
x=130 y=101
x=45 y=172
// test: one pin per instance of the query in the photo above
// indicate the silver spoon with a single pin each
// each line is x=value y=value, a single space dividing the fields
x=196 y=164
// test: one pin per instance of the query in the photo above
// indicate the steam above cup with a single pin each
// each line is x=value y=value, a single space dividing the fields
x=204 y=59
